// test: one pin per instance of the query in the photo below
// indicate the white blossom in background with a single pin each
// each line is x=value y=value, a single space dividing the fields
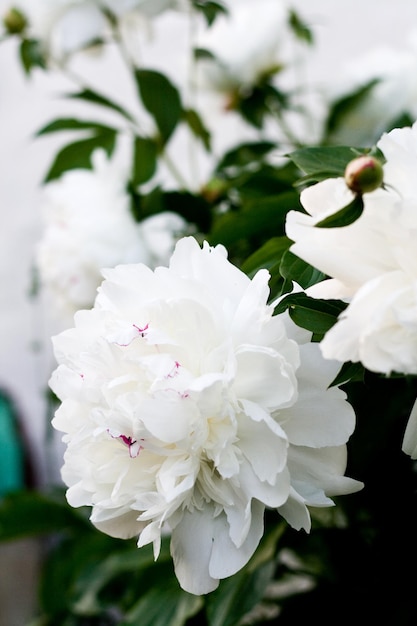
x=394 y=94
x=66 y=26
x=372 y=263
x=251 y=42
x=187 y=408
x=88 y=225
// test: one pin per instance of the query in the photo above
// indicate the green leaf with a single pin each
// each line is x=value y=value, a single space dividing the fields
x=344 y=105
x=313 y=314
x=196 y=125
x=166 y=604
x=69 y=123
x=345 y=216
x=161 y=99
x=260 y=218
x=210 y=9
x=31 y=55
x=264 y=100
x=329 y=161
x=145 y=152
x=294 y=268
x=267 y=256
x=245 y=154
x=301 y=30
x=91 y=96
x=193 y=208
x=349 y=372
x=203 y=53
x=69 y=561
x=77 y=155
x=237 y=595
x=28 y=513
x=92 y=586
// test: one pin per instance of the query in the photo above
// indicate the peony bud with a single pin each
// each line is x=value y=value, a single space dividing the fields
x=14 y=21
x=364 y=174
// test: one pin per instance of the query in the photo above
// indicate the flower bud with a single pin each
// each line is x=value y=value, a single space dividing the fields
x=14 y=21
x=364 y=174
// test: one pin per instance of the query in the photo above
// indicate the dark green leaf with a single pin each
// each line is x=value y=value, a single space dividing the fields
x=145 y=153
x=202 y=53
x=78 y=154
x=32 y=55
x=166 y=604
x=237 y=595
x=245 y=154
x=347 y=215
x=196 y=125
x=27 y=513
x=70 y=561
x=69 y=123
x=193 y=208
x=344 y=105
x=349 y=372
x=268 y=256
x=93 y=585
x=263 y=101
x=209 y=9
x=331 y=160
x=313 y=314
x=94 y=98
x=401 y=121
x=260 y=218
x=295 y=269
x=161 y=99
x=301 y=30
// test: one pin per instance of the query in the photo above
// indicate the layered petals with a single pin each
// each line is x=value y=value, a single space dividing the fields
x=179 y=392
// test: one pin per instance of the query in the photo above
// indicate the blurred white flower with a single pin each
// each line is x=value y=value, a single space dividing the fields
x=66 y=26
x=372 y=262
x=253 y=65
x=251 y=42
x=187 y=407
x=393 y=95
x=148 y=8
x=89 y=226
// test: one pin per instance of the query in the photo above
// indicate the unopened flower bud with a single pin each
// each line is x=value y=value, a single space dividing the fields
x=364 y=174
x=14 y=21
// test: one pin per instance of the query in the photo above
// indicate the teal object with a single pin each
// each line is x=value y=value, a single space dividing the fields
x=11 y=449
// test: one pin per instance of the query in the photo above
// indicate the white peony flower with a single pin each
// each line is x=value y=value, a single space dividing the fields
x=187 y=407
x=148 y=8
x=394 y=94
x=252 y=41
x=66 y=26
x=372 y=262
x=89 y=226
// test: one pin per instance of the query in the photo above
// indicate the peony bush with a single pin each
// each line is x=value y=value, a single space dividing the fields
x=234 y=338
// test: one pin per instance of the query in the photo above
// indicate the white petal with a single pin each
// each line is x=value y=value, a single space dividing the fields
x=226 y=558
x=191 y=548
x=321 y=416
x=264 y=444
x=410 y=436
x=264 y=377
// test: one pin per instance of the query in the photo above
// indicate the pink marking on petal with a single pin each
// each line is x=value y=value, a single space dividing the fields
x=141 y=331
x=134 y=446
x=174 y=371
